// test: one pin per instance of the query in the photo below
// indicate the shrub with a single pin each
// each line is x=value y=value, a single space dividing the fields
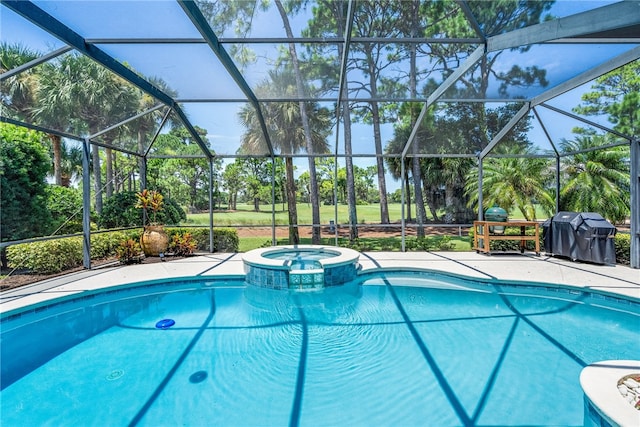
x=65 y=206
x=172 y=213
x=622 y=244
x=120 y=211
x=224 y=239
x=51 y=256
x=24 y=164
x=182 y=244
x=104 y=245
x=54 y=256
x=129 y=251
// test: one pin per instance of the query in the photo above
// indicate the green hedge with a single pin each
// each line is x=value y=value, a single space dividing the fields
x=224 y=239
x=623 y=249
x=54 y=256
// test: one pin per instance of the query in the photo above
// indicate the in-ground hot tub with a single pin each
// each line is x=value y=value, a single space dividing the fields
x=301 y=267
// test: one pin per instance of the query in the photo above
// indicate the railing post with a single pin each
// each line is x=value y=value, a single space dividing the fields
x=86 y=204
x=634 y=256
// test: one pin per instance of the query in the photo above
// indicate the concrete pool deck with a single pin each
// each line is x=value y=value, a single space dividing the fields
x=527 y=267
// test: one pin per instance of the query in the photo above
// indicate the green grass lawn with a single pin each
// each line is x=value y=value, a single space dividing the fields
x=391 y=244
x=367 y=214
x=245 y=215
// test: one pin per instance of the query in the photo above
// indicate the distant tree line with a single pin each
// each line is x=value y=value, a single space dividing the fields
x=76 y=95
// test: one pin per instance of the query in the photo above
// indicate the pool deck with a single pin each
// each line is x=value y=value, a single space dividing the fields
x=527 y=267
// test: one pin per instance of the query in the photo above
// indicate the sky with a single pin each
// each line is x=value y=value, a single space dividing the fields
x=192 y=78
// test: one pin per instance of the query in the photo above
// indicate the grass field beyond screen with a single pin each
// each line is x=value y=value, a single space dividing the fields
x=367 y=214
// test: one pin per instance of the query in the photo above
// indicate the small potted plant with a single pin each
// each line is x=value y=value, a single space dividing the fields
x=154 y=239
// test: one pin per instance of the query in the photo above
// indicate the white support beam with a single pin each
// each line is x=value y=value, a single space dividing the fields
x=514 y=120
x=587 y=76
x=449 y=81
x=606 y=18
x=125 y=121
x=634 y=255
x=34 y=62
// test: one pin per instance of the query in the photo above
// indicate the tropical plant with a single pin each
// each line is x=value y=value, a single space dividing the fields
x=18 y=91
x=513 y=183
x=129 y=252
x=595 y=179
x=74 y=91
x=21 y=94
x=183 y=244
x=150 y=200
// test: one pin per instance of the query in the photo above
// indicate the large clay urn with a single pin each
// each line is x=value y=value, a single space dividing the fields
x=154 y=240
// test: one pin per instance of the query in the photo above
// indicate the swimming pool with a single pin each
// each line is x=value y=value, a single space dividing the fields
x=391 y=348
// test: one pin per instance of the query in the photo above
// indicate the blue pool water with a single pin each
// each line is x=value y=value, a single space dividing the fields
x=311 y=255
x=301 y=260
x=392 y=348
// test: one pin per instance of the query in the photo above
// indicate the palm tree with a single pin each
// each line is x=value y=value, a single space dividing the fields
x=53 y=108
x=21 y=91
x=18 y=91
x=71 y=164
x=513 y=183
x=306 y=127
x=76 y=87
x=145 y=125
x=597 y=180
x=329 y=16
x=283 y=120
x=400 y=135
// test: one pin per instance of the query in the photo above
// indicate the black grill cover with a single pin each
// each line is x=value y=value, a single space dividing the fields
x=581 y=236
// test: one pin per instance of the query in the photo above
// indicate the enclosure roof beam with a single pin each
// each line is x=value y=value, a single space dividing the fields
x=589 y=122
x=568 y=85
x=42 y=19
x=40 y=128
x=598 y=148
x=124 y=122
x=192 y=10
x=449 y=81
x=588 y=76
x=35 y=62
x=354 y=100
x=155 y=136
x=285 y=40
x=113 y=147
x=472 y=19
x=343 y=65
x=514 y=120
x=607 y=21
x=546 y=132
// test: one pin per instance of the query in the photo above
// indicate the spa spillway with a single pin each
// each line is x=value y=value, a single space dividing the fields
x=300 y=267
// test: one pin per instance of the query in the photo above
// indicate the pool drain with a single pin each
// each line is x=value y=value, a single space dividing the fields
x=114 y=375
x=198 y=377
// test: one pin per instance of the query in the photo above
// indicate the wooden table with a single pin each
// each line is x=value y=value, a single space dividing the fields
x=482 y=236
